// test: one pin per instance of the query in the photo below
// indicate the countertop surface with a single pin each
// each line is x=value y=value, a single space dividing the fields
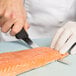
x=52 y=69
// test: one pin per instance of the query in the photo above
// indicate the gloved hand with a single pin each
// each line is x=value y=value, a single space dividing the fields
x=12 y=12
x=65 y=38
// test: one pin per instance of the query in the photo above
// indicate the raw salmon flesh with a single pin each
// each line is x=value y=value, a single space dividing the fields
x=14 y=63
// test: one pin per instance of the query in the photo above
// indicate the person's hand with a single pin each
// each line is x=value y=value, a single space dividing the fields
x=12 y=13
x=65 y=38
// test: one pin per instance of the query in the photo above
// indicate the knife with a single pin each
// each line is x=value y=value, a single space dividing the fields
x=23 y=35
x=69 y=52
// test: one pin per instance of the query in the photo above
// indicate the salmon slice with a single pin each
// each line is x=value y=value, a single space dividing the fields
x=14 y=63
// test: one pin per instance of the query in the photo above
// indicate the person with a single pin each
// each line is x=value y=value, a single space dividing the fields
x=44 y=17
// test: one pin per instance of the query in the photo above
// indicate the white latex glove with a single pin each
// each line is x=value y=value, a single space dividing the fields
x=65 y=38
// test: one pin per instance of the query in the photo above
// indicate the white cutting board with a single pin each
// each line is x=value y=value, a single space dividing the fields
x=52 y=69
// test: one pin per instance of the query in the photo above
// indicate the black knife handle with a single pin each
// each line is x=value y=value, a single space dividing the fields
x=22 y=34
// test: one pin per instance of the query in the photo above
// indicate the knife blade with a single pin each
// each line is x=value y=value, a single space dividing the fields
x=23 y=35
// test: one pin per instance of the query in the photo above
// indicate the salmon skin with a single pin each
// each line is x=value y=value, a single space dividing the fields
x=14 y=63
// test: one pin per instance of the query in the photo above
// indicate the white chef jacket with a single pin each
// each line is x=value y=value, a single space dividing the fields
x=46 y=17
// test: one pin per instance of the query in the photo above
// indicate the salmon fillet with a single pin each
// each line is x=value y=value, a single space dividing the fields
x=14 y=63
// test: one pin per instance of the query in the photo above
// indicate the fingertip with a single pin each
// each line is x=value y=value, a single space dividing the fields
x=16 y=28
x=73 y=51
x=63 y=51
x=26 y=26
x=12 y=33
x=3 y=30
